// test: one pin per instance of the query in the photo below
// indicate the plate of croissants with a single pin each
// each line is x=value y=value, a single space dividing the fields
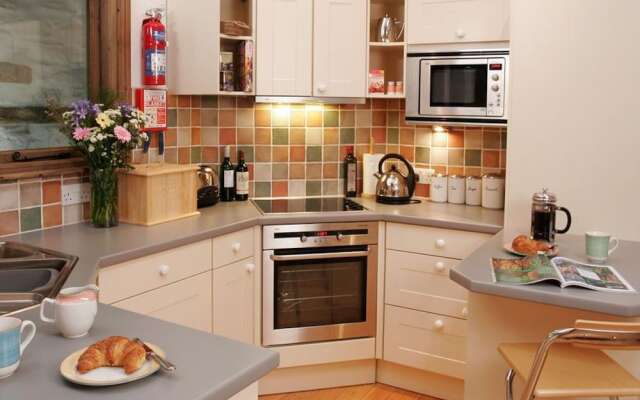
x=110 y=361
x=522 y=245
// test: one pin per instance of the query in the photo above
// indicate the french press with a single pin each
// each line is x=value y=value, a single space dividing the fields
x=543 y=217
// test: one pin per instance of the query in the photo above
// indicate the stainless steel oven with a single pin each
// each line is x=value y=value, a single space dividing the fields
x=319 y=282
x=467 y=87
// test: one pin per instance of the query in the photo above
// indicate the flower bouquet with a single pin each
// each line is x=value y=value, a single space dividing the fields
x=106 y=136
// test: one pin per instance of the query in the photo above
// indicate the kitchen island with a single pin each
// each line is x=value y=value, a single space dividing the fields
x=501 y=313
x=209 y=367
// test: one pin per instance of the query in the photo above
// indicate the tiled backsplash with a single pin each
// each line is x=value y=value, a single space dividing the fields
x=296 y=150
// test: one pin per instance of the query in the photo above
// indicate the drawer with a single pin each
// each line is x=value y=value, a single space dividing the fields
x=422 y=282
x=146 y=273
x=425 y=341
x=232 y=247
x=434 y=241
x=186 y=303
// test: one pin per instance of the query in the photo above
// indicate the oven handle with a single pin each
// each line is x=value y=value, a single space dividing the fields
x=318 y=256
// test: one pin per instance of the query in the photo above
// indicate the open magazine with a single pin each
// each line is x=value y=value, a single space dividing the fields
x=567 y=272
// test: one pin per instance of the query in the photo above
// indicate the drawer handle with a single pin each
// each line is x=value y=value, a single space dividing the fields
x=440 y=266
x=440 y=243
x=438 y=324
x=163 y=270
x=235 y=247
x=465 y=311
x=460 y=34
x=250 y=267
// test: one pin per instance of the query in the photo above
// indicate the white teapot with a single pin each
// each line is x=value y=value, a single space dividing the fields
x=75 y=310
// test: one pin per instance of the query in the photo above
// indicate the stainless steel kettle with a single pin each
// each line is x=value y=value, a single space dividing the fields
x=208 y=191
x=393 y=187
x=387 y=31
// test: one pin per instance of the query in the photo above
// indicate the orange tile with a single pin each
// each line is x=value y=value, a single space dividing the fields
x=196 y=137
x=280 y=188
x=297 y=153
x=297 y=171
x=263 y=135
x=245 y=102
x=227 y=136
x=407 y=136
x=184 y=155
x=440 y=169
x=379 y=148
x=184 y=101
x=9 y=223
x=363 y=135
x=365 y=106
x=330 y=136
x=407 y=152
x=422 y=190
x=455 y=170
x=379 y=118
x=172 y=101
x=280 y=153
x=195 y=117
x=196 y=101
x=401 y=121
x=503 y=159
x=379 y=135
x=245 y=135
x=227 y=101
x=297 y=118
x=171 y=137
x=297 y=136
x=379 y=104
x=361 y=149
x=210 y=154
x=472 y=171
x=314 y=118
x=52 y=215
x=330 y=171
x=51 y=192
x=314 y=171
x=347 y=106
x=263 y=117
x=490 y=159
x=456 y=138
x=227 y=117
x=393 y=104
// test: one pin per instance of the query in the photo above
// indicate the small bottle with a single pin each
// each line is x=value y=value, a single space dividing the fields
x=242 y=178
x=350 y=174
x=227 y=178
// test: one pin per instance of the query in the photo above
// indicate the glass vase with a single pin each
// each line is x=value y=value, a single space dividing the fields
x=104 y=197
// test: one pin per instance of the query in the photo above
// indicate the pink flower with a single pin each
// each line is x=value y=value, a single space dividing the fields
x=81 y=133
x=122 y=134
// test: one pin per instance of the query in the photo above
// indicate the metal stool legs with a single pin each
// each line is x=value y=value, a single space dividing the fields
x=509 y=384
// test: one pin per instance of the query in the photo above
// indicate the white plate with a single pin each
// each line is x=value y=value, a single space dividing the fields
x=106 y=376
x=550 y=253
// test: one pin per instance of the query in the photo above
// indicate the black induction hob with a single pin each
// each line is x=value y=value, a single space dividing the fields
x=307 y=204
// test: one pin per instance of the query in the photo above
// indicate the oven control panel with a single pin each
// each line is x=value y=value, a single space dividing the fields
x=319 y=235
x=495 y=87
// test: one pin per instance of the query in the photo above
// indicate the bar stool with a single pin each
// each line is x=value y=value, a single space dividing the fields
x=570 y=362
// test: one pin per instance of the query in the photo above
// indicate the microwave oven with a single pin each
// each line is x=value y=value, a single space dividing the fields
x=465 y=87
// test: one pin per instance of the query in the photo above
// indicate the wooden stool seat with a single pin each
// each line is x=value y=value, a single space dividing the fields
x=571 y=371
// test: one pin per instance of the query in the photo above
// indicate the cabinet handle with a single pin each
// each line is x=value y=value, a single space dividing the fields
x=440 y=266
x=465 y=312
x=440 y=243
x=438 y=324
x=163 y=270
x=322 y=87
x=250 y=267
x=235 y=247
x=460 y=34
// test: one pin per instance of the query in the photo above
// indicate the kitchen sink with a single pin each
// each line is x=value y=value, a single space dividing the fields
x=28 y=274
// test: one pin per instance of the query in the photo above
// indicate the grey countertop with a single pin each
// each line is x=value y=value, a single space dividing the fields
x=474 y=273
x=98 y=248
x=208 y=367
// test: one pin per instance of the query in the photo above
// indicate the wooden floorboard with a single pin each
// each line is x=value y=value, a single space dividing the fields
x=362 y=392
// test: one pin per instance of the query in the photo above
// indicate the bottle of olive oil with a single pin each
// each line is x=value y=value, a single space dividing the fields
x=350 y=174
x=227 y=177
x=242 y=178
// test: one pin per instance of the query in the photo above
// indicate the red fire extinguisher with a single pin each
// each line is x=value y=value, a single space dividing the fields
x=154 y=44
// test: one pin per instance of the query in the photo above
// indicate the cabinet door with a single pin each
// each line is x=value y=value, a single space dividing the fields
x=194 y=46
x=187 y=302
x=340 y=48
x=451 y=21
x=233 y=300
x=284 y=47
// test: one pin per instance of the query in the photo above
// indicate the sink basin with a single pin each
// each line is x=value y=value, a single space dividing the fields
x=10 y=302
x=15 y=250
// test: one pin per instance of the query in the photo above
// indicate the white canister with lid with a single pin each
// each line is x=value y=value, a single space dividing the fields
x=456 y=189
x=438 y=189
x=493 y=191
x=474 y=191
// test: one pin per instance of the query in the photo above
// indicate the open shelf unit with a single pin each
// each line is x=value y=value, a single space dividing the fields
x=242 y=74
x=387 y=56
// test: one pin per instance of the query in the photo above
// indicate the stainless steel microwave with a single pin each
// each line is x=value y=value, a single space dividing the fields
x=466 y=87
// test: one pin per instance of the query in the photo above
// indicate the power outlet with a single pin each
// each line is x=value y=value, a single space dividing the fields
x=424 y=174
x=76 y=193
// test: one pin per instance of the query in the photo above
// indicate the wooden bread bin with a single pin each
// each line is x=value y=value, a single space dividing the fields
x=155 y=193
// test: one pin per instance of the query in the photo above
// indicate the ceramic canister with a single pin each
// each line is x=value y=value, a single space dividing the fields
x=438 y=189
x=456 y=189
x=474 y=191
x=493 y=191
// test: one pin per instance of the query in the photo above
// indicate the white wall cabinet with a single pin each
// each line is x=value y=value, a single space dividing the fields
x=453 y=21
x=233 y=300
x=340 y=48
x=284 y=61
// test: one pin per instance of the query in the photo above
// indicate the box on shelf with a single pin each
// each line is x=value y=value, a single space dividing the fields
x=376 y=81
x=235 y=28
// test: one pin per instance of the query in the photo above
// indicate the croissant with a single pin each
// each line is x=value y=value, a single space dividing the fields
x=522 y=244
x=113 y=351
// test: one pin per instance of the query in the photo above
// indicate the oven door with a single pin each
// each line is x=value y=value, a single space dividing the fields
x=453 y=87
x=318 y=294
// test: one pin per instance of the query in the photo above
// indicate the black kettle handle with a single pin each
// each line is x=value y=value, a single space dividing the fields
x=568 y=214
x=411 y=178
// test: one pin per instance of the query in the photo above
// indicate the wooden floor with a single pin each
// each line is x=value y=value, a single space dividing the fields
x=363 y=392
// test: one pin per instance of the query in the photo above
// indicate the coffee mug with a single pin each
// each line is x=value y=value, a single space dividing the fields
x=598 y=246
x=74 y=310
x=11 y=344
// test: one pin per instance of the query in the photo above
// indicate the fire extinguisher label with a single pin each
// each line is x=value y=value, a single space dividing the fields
x=155 y=62
x=158 y=36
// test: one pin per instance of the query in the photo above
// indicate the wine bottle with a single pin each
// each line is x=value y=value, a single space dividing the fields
x=350 y=174
x=227 y=178
x=242 y=178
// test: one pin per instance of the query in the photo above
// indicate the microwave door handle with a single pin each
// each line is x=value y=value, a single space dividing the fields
x=319 y=256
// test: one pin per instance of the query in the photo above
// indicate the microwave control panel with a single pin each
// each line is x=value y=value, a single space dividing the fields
x=496 y=86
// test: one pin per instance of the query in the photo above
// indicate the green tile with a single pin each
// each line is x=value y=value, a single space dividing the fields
x=472 y=158
x=422 y=155
x=392 y=118
x=263 y=189
x=248 y=152
x=503 y=139
x=393 y=135
x=196 y=154
x=314 y=153
x=30 y=219
x=331 y=118
x=280 y=136
x=172 y=118
x=347 y=136
x=280 y=171
x=209 y=101
x=342 y=173
x=314 y=188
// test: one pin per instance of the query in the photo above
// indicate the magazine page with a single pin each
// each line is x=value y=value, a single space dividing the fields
x=523 y=271
x=591 y=276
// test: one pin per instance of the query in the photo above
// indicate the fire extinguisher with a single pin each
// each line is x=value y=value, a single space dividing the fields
x=154 y=44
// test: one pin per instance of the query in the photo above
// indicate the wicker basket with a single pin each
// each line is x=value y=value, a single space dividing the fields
x=235 y=28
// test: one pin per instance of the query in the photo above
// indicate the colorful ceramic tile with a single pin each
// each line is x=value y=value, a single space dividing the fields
x=314 y=171
x=363 y=135
x=227 y=102
x=262 y=172
x=407 y=136
x=245 y=135
x=379 y=118
x=227 y=118
x=9 y=196
x=330 y=170
x=196 y=136
x=314 y=188
x=393 y=135
x=184 y=118
x=227 y=136
x=297 y=153
x=263 y=189
x=297 y=136
x=244 y=118
x=280 y=116
x=196 y=154
x=456 y=157
x=439 y=139
x=347 y=118
x=392 y=118
x=280 y=171
x=314 y=118
x=209 y=102
x=473 y=139
x=248 y=153
x=363 y=118
x=347 y=136
x=30 y=219
x=297 y=171
x=331 y=118
x=439 y=156
x=9 y=223
x=184 y=155
x=263 y=118
x=314 y=153
x=280 y=153
x=490 y=159
x=422 y=155
x=491 y=140
x=210 y=154
x=280 y=189
x=195 y=117
x=30 y=194
x=297 y=188
x=172 y=118
x=209 y=136
x=330 y=153
x=330 y=188
x=473 y=158
x=330 y=136
x=263 y=135
x=263 y=153
x=209 y=117
x=280 y=136
x=297 y=118
x=196 y=101
x=184 y=101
